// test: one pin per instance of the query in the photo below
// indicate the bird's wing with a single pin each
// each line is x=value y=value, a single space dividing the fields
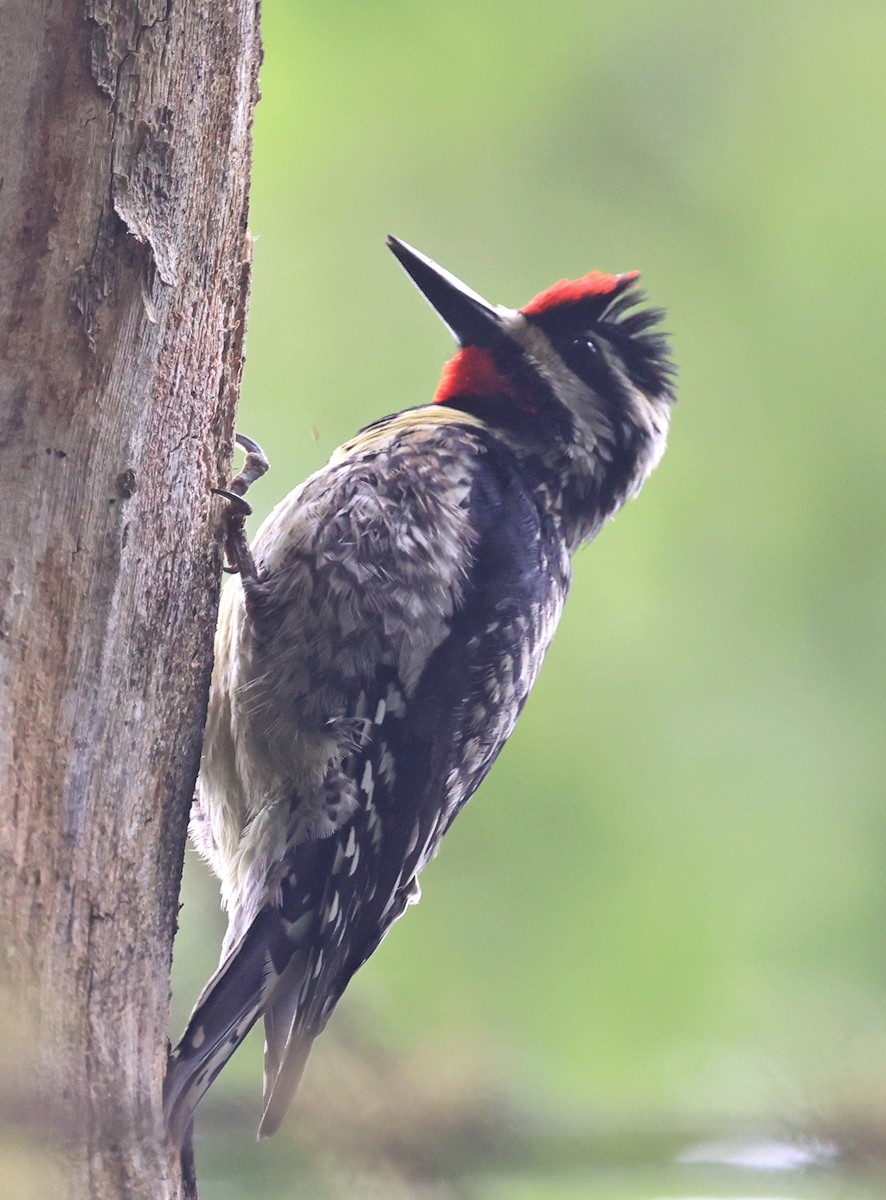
x=428 y=747
x=426 y=755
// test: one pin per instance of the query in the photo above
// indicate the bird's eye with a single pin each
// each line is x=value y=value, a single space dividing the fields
x=587 y=357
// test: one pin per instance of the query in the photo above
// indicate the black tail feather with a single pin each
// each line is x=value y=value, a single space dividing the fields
x=229 y=1006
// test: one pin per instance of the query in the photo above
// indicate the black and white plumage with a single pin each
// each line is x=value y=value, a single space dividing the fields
x=369 y=673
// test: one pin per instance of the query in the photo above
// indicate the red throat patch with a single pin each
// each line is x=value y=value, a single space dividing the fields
x=569 y=291
x=472 y=372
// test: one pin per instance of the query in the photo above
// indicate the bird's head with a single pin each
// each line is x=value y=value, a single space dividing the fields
x=579 y=378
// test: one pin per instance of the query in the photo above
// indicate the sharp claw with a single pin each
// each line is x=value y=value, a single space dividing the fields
x=242 y=507
x=254 y=467
x=249 y=445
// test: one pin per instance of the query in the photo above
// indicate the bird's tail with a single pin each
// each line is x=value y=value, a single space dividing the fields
x=228 y=1007
x=284 y=1067
x=264 y=973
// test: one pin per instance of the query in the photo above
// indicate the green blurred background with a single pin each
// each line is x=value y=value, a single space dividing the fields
x=662 y=918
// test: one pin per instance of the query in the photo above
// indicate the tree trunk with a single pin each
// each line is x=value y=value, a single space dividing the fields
x=124 y=152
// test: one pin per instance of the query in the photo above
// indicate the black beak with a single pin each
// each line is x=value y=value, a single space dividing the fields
x=470 y=319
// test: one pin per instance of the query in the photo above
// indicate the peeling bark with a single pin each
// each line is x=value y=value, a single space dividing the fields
x=124 y=154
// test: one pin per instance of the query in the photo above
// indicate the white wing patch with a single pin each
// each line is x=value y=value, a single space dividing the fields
x=367 y=783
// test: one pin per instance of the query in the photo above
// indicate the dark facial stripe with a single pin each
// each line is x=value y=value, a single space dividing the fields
x=587 y=358
x=612 y=320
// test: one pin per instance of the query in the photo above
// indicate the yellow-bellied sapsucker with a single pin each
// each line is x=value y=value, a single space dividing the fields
x=373 y=659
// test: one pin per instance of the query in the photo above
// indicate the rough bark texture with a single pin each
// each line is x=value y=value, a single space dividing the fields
x=124 y=153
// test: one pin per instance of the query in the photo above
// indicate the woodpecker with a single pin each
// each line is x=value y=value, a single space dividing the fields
x=375 y=650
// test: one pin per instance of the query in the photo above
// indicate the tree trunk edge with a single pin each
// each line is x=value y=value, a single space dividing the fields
x=126 y=155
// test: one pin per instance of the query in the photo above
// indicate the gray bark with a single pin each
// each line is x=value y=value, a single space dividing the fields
x=124 y=154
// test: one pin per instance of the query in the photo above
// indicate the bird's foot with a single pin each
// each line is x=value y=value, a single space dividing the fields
x=238 y=556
